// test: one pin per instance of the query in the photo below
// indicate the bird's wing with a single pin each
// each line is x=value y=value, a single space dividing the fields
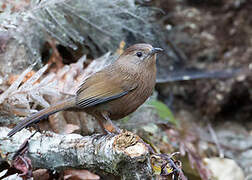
x=103 y=86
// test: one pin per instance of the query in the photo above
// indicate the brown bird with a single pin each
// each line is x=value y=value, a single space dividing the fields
x=111 y=93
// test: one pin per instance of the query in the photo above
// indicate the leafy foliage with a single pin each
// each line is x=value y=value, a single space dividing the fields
x=163 y=111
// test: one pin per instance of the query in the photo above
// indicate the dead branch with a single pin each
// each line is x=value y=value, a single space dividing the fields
x=121 y=155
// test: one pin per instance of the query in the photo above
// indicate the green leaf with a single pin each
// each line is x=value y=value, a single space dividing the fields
x=125 y=119
x=163 y=111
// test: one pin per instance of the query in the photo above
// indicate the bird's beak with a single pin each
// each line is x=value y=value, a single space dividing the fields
x=155 y=50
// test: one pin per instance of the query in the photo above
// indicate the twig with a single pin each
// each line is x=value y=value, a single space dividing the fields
x=191 y=74
x=214 y=136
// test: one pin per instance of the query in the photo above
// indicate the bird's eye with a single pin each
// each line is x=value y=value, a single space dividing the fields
x=139 y=54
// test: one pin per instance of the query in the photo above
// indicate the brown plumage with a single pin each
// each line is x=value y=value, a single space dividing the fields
x=112 y=93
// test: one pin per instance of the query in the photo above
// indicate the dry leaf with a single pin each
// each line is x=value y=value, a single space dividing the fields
x=72 y=174
x=23 y=164
x=31 y=91
x=120 y=50
x=41 y=174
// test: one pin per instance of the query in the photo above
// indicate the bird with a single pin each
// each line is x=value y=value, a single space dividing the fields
x=111 y=93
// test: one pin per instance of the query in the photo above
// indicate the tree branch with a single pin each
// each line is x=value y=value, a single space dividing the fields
x=122 y=155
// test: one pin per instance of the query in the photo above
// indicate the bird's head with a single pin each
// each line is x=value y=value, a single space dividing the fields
x=140 y=54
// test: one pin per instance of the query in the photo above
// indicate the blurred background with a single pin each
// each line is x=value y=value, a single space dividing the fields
x=201 y=106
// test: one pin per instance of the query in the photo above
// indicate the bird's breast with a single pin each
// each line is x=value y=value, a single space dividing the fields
x=127 y=104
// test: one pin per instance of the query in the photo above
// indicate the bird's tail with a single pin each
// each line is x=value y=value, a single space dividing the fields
x=66 y=104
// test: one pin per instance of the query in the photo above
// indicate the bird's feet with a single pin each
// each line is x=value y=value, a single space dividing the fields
x=111 y=129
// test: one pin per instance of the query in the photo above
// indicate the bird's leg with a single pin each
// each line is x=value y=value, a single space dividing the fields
x=112 y=127
x=36 y=127
x=101 y=123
